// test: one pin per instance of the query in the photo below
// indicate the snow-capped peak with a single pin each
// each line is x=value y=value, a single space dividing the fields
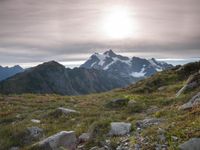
x=134 y=67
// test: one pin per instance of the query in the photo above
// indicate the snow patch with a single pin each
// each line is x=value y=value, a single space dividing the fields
x=138 y=74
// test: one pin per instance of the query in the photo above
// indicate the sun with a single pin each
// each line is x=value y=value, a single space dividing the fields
x=118 y=23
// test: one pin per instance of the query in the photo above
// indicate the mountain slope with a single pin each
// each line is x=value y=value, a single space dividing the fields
x=133 y=68
x=153 y=110
x=6 y=72
x=52 y=77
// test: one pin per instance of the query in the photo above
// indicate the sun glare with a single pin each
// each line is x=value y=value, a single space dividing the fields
x=118 y=23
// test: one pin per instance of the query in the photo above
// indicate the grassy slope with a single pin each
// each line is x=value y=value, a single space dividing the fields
x=183 y=124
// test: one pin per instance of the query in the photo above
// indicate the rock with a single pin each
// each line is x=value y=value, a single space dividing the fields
x=120 y=128
x=66 y=111
x=174 y=138
x=161 y=147
x=161 y=135
x=61 y=110
x=84 y=137
x=35 y=132
x=162 y=88
x=32 y=134
x=148 y=122
x=192 y=144
x=14 y=148
x=35 y=121
x=192 y=82
x=137 y=147
x=118 y=102
x=64 y=139
x=192 y=102
x=152 y=109
x=97 y=148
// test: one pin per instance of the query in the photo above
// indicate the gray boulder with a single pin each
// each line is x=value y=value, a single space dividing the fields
x=192 y=82
x=148 y=122
x=84 y=137
x=63 y=139
x=14 y=148
x=192 y=144
x=118 y=102
x=35 y=132
x=192 y=102
x=120 y=128
x=66 y=111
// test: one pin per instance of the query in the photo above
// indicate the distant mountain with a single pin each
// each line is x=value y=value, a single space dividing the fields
x=134 y=68
x=6 y=72
x=52 y=77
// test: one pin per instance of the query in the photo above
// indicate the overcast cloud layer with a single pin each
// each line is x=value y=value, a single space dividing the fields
x=69 y=31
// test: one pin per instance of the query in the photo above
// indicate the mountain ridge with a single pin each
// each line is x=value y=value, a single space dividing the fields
x=6 y=72
x=135 y=68
x=52 y=77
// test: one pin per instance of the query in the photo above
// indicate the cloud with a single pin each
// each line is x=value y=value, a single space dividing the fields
x=37 y=31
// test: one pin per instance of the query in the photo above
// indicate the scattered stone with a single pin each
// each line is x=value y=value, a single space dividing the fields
x=120 y=128
x=64 y=139
x=118 y=102
x=192 y=102
x=81 y=147
x=137 y=147
x=174 y=138
x=152 y=109
x=148 y=122
x=18 y=116
x=162 y=88
x=161 y=135
x=161 y=147
x=84 y=137
x=14 y=148
x=192 y=82
x=66 y=111
x=35 y=121
x=35 y=132
x=192 y=144
x=97 y=148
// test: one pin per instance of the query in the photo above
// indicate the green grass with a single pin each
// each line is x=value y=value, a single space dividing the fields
x=16 y=112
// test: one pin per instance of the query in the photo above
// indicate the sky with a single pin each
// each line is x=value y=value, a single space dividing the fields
x=69 y=31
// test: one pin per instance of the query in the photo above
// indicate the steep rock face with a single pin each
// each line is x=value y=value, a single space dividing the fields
x=52 y=77
x=6 y=72
x=132 y=69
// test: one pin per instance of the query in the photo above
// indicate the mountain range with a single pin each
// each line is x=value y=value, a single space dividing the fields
x=101 y=72
x=134 y=68
x=6 y=72
x=52 y=77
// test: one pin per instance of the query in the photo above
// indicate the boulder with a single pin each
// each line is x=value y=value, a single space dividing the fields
x=148 y=122
x=84 y=137
x=14 y=148
x=118 y=102
x=162 y=88
x=66 y=111
x=97 y=148
x=192 y=144
x=61 y=110
x=35 y=121
x=35 y=132
x=195 y=100
x=120 y=128
x=63 y=139
x=192 y=82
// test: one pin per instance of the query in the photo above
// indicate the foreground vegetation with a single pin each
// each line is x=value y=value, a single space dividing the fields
x=159 y=91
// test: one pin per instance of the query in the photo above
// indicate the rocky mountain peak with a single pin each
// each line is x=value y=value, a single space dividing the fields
x=110 y=53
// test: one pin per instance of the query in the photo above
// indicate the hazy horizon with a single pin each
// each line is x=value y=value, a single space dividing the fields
x=72 y=64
